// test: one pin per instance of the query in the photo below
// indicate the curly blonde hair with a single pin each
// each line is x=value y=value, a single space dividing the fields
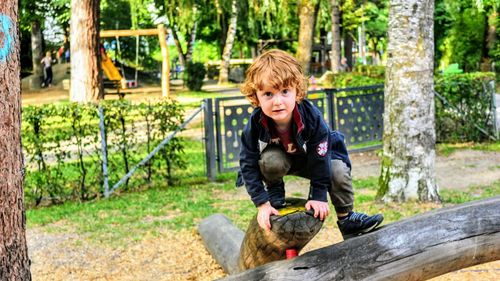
x=278 y=68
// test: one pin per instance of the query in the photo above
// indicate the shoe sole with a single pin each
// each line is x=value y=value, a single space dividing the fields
x=348 y=236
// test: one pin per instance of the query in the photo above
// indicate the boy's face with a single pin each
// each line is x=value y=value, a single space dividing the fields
x=277 y=104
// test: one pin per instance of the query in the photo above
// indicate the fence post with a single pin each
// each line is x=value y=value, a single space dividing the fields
x=494 y=107
x=104 y=149
x=330 y=97
x=209 y=139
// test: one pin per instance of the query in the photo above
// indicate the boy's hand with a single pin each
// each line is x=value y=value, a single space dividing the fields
x=265 y=211
x=320 y=208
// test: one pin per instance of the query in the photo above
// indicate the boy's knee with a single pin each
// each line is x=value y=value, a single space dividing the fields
x=274 y=163
x=341 y=173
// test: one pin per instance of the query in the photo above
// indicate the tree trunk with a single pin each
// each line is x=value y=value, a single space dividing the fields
x=335 y=55
x=306 y=33
x=348 y=48
x=36 y=54
x=228 y=48
x=178 y=46
x=362 y=43
x=190 y=45
x=14 y=261
x=417 y=248
x=408 y=161
x=86 y=77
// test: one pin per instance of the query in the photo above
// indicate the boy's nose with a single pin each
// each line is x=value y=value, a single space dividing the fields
x=277 y=100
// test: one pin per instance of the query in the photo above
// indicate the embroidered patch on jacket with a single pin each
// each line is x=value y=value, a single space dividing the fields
x=322 y=148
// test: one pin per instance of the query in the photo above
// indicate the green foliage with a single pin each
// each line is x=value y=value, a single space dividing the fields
x=469 y=99
x=194 y=75
x=347 y=80
x=63 y=147
x=452 y=69
x=205 y=51
x=461 y=33
x=373 y=71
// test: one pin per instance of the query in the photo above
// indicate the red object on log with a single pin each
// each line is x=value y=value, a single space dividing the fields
x=291 y=253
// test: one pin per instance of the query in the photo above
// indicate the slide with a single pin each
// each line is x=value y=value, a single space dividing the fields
x=110 y=70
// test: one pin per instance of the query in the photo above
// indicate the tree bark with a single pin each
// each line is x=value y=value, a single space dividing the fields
x=408 y=161
x=190 y=43
x=417 y=248
x=362 y=43
x=348 y=48
x=178 y=46
x=228 y=48
x=14 y=261
x=306 y=33
x=335 y=55
x=86 y=76
x=36 y=54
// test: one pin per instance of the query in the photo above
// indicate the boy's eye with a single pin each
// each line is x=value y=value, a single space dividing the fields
x=285 y=91
x=267 y=94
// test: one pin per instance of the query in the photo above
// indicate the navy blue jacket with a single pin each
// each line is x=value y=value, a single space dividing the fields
x=313 y=137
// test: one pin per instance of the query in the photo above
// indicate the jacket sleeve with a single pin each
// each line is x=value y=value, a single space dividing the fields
x=319 y=160
x=249 y=163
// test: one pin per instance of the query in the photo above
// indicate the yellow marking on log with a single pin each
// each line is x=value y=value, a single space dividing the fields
x=291 y=209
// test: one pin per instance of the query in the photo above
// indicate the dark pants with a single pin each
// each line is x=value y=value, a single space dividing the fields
x=274 y=164
x=47 y=74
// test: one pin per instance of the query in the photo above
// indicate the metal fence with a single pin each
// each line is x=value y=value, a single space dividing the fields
x=356 y=112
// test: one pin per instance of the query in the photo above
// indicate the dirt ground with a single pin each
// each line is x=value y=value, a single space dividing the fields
x=182 y=256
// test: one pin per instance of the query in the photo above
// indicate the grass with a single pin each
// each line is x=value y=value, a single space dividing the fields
x=446 y=149
x=132 y=215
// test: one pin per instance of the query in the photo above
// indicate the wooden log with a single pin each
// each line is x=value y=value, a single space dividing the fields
x=292 y=229
x=417 y=248
x=223 y=240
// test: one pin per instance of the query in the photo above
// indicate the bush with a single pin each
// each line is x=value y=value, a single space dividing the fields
x=194 y=75
x=62 y=147
x=468 y=106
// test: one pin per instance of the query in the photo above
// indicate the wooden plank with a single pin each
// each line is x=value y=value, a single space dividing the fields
x=127 y=32
x=417 y=248
x=223 y=240
x=165 y=66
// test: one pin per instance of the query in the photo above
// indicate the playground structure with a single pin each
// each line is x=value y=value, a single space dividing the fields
x=113 y=73
x=417 y=248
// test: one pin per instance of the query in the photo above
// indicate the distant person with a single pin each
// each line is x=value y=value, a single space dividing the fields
x=66 y=55
x=344 y=67
x=60 y=55
x=47 y=70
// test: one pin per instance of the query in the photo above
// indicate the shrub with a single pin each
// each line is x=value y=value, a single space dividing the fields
x=194 y=75
x=467 y=107
x=62 y=147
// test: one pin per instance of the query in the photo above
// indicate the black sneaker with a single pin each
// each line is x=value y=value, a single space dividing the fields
x=358 y=223
x=278 y=204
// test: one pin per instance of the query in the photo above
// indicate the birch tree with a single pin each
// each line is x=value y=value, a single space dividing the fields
x=408 y=161
x=228 y=48
x=86 y=77
x=14 y=261
x=335 y=56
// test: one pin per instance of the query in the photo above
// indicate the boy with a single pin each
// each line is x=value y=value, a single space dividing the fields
x=286 y=135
